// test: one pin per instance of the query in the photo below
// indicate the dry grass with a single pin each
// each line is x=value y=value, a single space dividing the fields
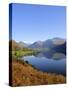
x=24 y=74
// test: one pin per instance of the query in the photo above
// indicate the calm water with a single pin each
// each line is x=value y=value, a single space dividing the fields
x=47 y=64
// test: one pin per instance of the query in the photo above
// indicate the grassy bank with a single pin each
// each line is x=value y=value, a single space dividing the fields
x=24 y=74
x=23 y=52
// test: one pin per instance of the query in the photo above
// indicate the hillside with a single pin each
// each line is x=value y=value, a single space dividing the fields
x=37 y=44
x=14 y=45
x=50 y=43
x=60 y=48
x=25 y=74
x=23 y=44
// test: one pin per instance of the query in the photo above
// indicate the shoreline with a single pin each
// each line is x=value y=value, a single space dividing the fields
x=23 y=74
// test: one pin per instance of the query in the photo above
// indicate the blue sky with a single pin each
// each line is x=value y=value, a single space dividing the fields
x=31 y=23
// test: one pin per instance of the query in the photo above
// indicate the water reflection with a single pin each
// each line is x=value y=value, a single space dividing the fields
x=48 y=62
x=51 y=55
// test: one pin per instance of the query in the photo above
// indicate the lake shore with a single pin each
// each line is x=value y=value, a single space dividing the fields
x=23 y=74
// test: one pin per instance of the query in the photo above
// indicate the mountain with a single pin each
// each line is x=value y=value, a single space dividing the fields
x=58 y=41
x=37 y=44
x=13 y=45
x=49 y=46
x=60 y=48
x=22 y=44
x=50 y=43
x=58 y=51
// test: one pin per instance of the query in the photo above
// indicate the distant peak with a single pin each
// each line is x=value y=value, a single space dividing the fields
x=57 y=38
x=58 y=41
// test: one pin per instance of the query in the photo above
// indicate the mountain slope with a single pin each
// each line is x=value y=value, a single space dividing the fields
x=60 y=48
x=23 y=74
x=22 y=44
x=50 y=43
x=37 y=44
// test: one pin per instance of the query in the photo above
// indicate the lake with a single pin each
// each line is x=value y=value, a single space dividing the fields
x=44 y=64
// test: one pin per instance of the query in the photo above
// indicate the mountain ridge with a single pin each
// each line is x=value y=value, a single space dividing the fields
x=50 y=43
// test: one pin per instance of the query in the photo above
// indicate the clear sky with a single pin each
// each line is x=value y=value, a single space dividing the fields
x=31 y=23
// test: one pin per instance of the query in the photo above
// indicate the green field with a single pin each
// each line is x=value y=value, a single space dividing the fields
x=23 y=52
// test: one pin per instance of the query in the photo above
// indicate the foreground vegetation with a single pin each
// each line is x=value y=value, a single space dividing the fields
x=24 y=74
x=23 y=52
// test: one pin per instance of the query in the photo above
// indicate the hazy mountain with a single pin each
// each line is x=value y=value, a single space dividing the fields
x=53 y=45
x=22 y=44
x=60 y=48
x=38 y=44
x=50 y=43
x=58 y=41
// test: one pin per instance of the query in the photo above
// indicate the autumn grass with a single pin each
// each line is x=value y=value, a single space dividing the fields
x=23 y=74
